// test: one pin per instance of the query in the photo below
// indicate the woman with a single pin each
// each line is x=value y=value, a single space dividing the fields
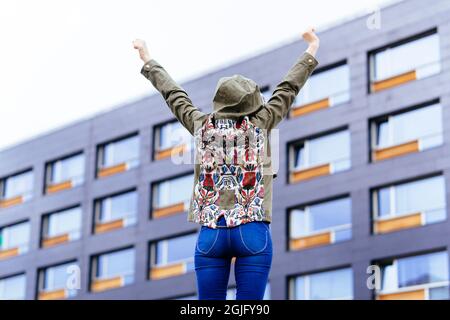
x=232 y=194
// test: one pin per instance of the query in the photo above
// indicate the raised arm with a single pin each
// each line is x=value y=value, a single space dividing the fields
x=277 y=107
x=176 y=98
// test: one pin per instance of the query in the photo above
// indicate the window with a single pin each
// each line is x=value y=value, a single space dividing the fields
x=324 y=89
x=16 y=189
x=407 y=132
x=231 y=293
x=329 y=285
x=56 y=282
x=173 y=256
x=320 y=224
x=112 y=270
x=118 y=156
x=405 y=61
x=13 y=287
x=61 y=227
x=14 y=240
x=420 y=277
x=171 y=138
x=320 y=156
x=65 y=173
x=409 y=204
x=116 y=212
x=172 y=196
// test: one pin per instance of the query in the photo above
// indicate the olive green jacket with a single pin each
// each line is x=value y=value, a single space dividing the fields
x=235 y=97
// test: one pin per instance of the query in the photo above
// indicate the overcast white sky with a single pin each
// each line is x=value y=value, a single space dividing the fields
x=66 y=60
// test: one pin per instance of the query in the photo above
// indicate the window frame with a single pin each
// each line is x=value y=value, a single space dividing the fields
x=424 y=286
x=405 y=40
x=392 y=205
x=23 y=248
x=293 y=145
x=20 y=274
x=49 y=170
x=307 y=276
x=94 y=268
x=128 y=220
x=376 y=121
x=100 y=153
x=326 y=68
x=332 y=230
x=42 y=276
x=25 y=196
x=45 y=221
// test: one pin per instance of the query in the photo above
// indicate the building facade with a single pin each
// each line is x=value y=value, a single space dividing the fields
x=96 y=210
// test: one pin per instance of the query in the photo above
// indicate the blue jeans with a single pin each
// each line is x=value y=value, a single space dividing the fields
x=250 y=243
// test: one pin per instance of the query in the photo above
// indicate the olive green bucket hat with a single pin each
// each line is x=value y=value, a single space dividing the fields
x=236 y=96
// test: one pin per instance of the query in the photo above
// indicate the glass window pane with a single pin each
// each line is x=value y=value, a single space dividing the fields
x=421 y=195
x=325 y=84
x=300 y=161
x=407 y=57
x=382 y=134
x=15 y=236
x=384 y=202
x=18 y=185
x=330 y=214
x=116 y=264
x=175 y=249
x=63 y=222
x=118 y=207
x=389 y=277
x=439 y=293
x=300 y=288
x=420 y=123
x=13 y=288
x=330 y=148
x=174 y=191
x=422 y=269
x=67 y=169
x=121 y=151
x=336 y=284
x=298 y=223
x=56 y=277
x=173 y=134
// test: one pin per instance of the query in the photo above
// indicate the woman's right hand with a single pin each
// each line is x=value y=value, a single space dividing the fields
x=141 y=46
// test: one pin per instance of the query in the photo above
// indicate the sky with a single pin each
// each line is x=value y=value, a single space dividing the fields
x=62 y=61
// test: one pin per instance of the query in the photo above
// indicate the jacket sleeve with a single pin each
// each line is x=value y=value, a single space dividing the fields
x=277 y=108
x=176 y=98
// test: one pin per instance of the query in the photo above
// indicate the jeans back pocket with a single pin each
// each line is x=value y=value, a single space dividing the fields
x=254 y=236
x=206 y=239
